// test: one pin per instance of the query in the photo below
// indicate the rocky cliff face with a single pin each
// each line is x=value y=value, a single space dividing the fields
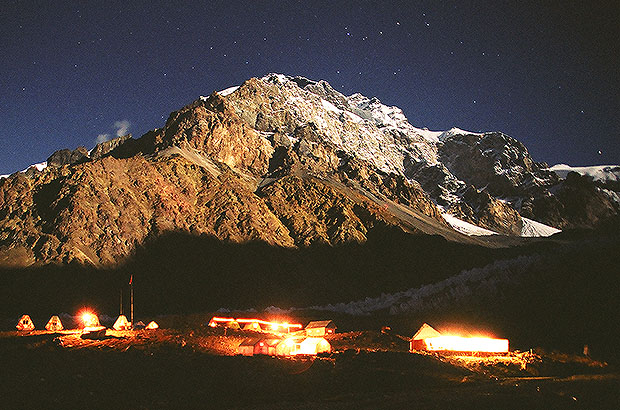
x=286 y=161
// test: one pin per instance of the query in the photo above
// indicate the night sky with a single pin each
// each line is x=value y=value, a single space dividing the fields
x=546 y=73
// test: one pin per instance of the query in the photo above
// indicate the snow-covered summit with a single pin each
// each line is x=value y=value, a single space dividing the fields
x=603 y=173
x=363 y=127
x=456 y=131
x=445 y=163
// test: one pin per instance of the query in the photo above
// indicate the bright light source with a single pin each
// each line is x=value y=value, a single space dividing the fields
x=466 y=344
x=255 y=323
x=89 y=319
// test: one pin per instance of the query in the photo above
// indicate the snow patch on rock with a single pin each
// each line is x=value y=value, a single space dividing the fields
x=465 y=227
x=227 y=91
x=536 y=229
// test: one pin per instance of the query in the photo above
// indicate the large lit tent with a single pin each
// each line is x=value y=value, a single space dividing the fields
x=314 y=345
x=246 y=347
x=122 y=323
x=54 y=324
x=429 y=339
x=289 y=346
x=320 y=328
x=426 y=331
x=259 y=345
x=25 y=323
x=302 y=345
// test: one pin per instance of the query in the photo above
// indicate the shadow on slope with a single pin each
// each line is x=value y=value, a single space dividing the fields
x=180 y=273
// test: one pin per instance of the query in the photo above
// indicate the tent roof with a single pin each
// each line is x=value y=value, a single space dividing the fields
x=320 y=323
x=425 y=332
x=250 y=341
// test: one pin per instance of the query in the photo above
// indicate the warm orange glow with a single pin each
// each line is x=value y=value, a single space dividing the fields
x=89 y=319
x=293 y=346
x=466 y=344
x=152 y=326
x=255 y=323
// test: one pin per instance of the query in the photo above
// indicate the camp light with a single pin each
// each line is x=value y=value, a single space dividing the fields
x=89 y=319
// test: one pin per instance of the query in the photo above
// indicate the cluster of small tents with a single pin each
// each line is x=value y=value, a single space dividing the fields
x=123 y=324
x=25 y=323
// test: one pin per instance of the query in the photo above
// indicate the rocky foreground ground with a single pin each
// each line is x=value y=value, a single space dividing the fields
x=198 y=368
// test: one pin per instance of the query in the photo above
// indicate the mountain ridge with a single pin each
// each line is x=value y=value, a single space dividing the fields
x=288 y=161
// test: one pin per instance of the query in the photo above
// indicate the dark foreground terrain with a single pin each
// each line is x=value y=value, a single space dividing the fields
x=180 y=369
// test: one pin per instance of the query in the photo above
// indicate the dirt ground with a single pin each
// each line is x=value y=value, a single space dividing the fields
x=198 y=369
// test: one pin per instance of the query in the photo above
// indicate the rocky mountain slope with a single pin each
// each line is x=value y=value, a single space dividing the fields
x=289 y=162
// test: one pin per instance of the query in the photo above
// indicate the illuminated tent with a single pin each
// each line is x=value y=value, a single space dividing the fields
x=289 y=346
x=303 y=345
x=224 y=322
x=25 y=323
x=314 y=345
x=255 y=326
x=258 y=345
x=320 y=328
x=122 y=323
x=425 y=332
x=90 y=320
x=54 y=324
x=152 y=325
x=429 y=339
x=232 y=325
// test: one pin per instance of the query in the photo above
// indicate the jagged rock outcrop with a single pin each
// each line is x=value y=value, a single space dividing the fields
x=495 y=161
x=104 y=148
x=576 y=203
x=65 y=157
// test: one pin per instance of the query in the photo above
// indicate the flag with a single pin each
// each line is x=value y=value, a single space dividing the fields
x=131 y=279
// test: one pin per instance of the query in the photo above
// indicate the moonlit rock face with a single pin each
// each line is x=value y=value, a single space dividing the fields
x=444 y=163
x=362 y=127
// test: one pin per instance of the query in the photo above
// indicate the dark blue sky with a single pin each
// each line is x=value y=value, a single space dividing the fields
x=545 y=73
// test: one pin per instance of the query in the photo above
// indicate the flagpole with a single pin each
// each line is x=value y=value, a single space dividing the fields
x=131 y=296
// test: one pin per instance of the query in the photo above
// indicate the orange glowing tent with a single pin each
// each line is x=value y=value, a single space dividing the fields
x=259 y=345
x=122 y=323
x=320 y=328
x=54 y=324
x=255 y=326
x=426 y=331
x=152 y=325
x=301 y=345
x=90 y=320
x=25 y=323
x=427 y=338
x=314 y=345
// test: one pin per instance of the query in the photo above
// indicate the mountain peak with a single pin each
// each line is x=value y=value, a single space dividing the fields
x=291 y=162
